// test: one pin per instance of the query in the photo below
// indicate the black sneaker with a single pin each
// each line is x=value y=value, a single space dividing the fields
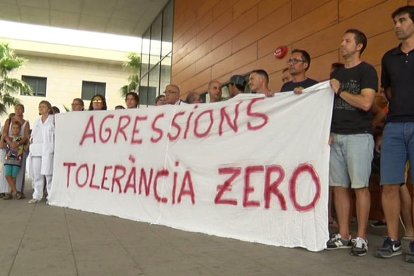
x=359 y=247
x=390 y=248
x=337 y=242
x=8 y=197
x=409 y=258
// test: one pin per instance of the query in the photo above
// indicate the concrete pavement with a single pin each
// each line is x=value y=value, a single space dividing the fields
x=43 y=240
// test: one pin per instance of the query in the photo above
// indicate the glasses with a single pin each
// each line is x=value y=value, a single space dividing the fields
x=170 y=92
x=97 y=101
x=294 y=61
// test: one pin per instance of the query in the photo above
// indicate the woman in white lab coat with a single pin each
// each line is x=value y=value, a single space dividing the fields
x=42 y=142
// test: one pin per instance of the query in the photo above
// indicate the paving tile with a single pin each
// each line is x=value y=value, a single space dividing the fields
x=46 y=240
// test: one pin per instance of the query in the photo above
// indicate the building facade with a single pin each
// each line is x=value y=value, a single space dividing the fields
x=59 y=73
x=215 y=39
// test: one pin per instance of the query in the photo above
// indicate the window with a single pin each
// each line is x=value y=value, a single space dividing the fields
x=90 y=89
x=155 y=46
x=156 y=55
x=167 y=29
x=38 y=85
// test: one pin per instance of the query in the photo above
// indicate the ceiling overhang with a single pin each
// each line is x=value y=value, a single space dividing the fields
x=121 y=17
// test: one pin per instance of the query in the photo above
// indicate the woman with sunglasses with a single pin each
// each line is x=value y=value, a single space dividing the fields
x=98 y=102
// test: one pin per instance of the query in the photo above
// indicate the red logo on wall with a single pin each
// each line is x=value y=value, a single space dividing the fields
x=280 y=52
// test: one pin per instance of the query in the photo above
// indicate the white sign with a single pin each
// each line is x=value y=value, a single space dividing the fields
x=252 y=168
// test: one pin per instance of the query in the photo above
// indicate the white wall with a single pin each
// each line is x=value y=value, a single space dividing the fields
x=64 y=81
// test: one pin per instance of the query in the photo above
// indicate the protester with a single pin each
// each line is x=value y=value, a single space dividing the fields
x=397 y=144
x=131 y=100
x=214 y=91
x=160 y=100
x=352 y=143
x=98 y=102
x=56 y=110
x=17 y=116
x=172 y=94
x=78 y=104
x=42 y=151
x=193 y=98
x=259 y=82
x=118 y=107
x=237 y=85
x=13 y=159
x=298 y=63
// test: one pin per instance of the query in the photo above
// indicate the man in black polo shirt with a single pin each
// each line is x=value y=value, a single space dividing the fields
x=397 y=145
x=298 y=64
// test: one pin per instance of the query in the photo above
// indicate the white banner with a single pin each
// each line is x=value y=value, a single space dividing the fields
x=252 y=168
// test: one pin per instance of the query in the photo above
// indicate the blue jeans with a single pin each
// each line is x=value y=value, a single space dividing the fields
x=397 y=147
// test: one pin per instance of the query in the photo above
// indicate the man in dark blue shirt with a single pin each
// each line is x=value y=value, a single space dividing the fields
x=298 y=64
x=397 y=145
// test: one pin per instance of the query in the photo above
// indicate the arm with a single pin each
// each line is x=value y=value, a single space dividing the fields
x=387 y=92
x=26 y=133
x=5 y=132
x=362 y=101
x=378 y=143
x=379 y=118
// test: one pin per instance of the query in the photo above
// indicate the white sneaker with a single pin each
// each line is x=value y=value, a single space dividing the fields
x=33 y=200
x=359 y=247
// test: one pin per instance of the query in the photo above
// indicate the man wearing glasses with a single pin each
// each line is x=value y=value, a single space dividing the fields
x=298 y=64
x=172 y=94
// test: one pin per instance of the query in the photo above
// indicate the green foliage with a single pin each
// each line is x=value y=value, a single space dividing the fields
x=133 y=65
x=8 y=86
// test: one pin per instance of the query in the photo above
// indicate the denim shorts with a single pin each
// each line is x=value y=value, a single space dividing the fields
x=396 y=149
x=10 y=170
x=350 y=160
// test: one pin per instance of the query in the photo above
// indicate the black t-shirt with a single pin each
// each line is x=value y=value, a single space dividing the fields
x=398 y=74
x=290 y=85
x=347 y=119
